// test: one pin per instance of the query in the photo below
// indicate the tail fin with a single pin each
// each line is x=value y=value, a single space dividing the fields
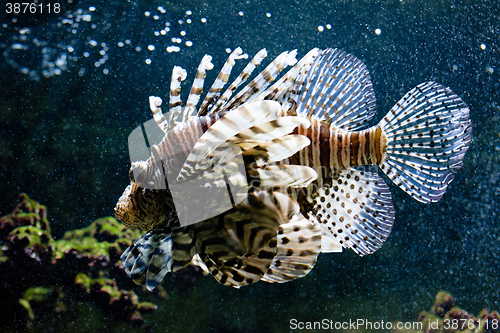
x=428 y=133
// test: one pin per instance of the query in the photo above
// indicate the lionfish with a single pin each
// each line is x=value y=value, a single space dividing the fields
x=297 y=148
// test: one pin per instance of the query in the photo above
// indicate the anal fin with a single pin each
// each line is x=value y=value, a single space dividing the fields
x=357 y=210
x=299 y=243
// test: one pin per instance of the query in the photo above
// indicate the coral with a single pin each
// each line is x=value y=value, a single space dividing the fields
x=42 y=276
x=445 y=317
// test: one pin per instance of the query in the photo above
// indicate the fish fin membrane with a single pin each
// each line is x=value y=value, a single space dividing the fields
x=221 y=80
x=246 y=126
x=428 y=133
x=329 y=244
x=253 y=90
x=149 y=259
x=269 y=136
x=238 y=247
x=244 y=75
x=284 y=176
x=299 y=243
x=336 y=90
x=356 y=211
x=283 y=90
x=274 y=150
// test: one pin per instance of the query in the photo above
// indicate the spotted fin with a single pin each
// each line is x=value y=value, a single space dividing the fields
x=356 y=211
x=428 y=133
x=149 y=259
x=336 y=90
x=238 y=247
x=299 y=243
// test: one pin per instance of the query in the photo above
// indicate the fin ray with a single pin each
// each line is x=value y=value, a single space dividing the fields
x=428 y=133
x=356 y=209
x=299 y=243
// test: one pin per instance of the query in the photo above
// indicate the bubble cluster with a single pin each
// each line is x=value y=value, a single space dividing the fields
x=85 y=38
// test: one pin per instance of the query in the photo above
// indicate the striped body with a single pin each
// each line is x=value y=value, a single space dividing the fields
x=333 y=150
x=301 y=142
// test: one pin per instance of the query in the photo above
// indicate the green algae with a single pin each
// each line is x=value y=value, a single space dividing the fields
x=83 y=266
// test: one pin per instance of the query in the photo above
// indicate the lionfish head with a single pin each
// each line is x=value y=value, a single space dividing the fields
x=140 y=208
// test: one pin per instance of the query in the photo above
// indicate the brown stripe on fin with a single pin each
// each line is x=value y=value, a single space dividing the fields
x=178 y=75
x=229 y=125
x=277 y=149
x=247 y=71
x=251 y=91
x=197 y=88
x=239 y=247
x=221 y=80
x=283 y=176
x=155 y=106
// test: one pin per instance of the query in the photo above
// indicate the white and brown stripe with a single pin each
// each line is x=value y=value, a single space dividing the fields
x=244 y=75
x=197 y=88
x=263 y=80
x=333 y=150
x=175 y=103
x=220 y=81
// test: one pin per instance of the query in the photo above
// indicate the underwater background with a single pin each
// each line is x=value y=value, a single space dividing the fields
x=74 y=85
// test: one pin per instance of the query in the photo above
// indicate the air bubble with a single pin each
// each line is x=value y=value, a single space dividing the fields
x=172 y=48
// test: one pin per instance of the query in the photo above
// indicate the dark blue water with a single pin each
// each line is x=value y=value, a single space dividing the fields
x=75 y=85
